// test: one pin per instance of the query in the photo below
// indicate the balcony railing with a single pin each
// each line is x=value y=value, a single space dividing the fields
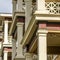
x=53 y=7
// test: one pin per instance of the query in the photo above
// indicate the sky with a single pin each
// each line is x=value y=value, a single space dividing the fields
x=5 y=6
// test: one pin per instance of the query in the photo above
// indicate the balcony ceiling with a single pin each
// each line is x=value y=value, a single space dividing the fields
x=53 y=39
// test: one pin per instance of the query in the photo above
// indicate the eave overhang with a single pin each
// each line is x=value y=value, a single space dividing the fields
x=36 y=18
x=29 y=32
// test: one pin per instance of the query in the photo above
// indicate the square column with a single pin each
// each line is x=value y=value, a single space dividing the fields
x=28 y=12
x=5 y=32
x=42 y=44
x=28 y=56
x=5 y=55
x=19 y=38
x=13 y=49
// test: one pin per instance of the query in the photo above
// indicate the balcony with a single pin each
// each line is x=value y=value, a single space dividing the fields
x=52 y=7
x=16 y=9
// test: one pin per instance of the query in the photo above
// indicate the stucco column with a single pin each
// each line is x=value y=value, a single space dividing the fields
x=42 y=44
x=5 y=55
x=41 y=6
x=28 y=56
x=19 y=38
x=19 y=5
x=5 y=32
x=28 y=12
x=13 y=48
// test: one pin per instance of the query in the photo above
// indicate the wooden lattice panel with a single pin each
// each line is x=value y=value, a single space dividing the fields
x=53 y=7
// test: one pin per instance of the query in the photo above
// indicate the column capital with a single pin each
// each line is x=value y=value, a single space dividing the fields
x=20 y=23
x=42 y=31
x=5 y=51
x=6 y=21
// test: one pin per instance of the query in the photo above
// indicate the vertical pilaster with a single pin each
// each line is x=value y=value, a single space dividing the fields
x=19 y=5
x=42 y=44
x=28 y=12
x=28 y=56
x=13 y=48
x=5 y=55
x=5 y=32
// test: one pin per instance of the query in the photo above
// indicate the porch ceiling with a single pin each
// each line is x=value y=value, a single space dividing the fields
x=53 y=39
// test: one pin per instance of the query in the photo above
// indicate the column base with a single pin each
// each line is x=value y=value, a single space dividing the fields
x=19 y=58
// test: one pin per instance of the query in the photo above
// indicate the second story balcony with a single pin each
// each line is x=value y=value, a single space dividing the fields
x=52 y=6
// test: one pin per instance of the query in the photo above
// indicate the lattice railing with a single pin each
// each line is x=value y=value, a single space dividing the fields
x=53 y=7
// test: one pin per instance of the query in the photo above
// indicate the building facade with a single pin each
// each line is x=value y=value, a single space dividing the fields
x=34 y=30
x=5 y=39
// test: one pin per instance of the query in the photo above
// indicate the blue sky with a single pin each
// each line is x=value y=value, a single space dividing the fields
x=6 y=6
